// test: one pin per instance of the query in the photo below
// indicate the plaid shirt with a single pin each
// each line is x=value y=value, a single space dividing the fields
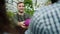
x=46 y=20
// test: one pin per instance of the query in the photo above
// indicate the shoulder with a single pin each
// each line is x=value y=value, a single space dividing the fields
x=40 y=17
x=47 y=9
x=42 y=13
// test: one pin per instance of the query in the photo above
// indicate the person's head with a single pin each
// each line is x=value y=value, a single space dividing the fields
x=53 y=1
x=20 y=7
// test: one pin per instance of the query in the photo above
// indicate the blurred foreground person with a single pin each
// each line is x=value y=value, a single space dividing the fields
x=5 y=25
x=46 y=20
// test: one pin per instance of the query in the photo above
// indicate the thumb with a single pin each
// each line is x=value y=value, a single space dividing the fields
x=23 y=24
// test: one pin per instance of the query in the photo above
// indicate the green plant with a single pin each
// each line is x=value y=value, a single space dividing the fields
x=10 y=16
x=29 y=7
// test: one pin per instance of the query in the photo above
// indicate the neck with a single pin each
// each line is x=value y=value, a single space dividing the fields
x=21 y=13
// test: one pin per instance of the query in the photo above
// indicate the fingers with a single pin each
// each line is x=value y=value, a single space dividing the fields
x=23 y=26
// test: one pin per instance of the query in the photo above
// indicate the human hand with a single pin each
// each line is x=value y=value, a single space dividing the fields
x=21 y=24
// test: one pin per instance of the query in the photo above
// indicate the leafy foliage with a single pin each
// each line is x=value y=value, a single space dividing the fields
x=29 y=7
